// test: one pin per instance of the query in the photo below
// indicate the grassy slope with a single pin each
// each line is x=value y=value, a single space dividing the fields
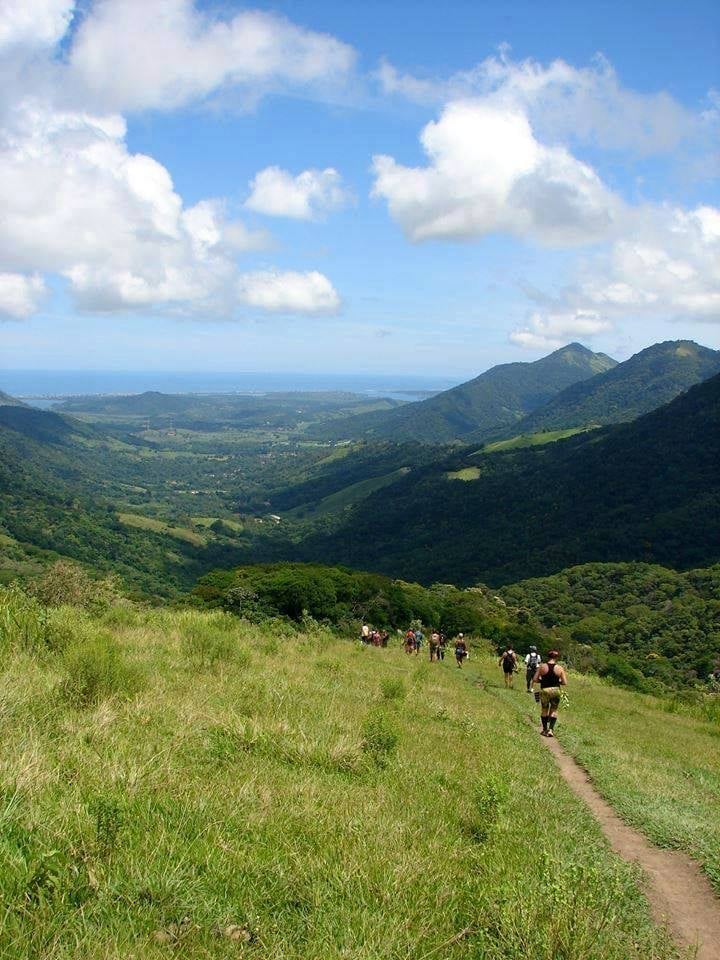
x=660 y=769
x=242 y=795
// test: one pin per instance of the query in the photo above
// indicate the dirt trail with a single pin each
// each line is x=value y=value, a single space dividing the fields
x=678 y=891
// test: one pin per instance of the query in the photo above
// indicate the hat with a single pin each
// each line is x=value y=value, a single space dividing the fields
x=461 y=634
x=533 y=649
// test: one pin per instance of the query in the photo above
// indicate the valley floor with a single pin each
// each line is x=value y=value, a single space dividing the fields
x=223 y=790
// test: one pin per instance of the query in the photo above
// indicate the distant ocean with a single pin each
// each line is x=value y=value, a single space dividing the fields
x=43 y=386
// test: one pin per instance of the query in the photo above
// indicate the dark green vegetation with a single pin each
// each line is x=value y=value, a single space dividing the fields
x=183 y=783
x=646 y=381
x=473 y=411
x=345 y=598
x=647 y=491
x=630 y=621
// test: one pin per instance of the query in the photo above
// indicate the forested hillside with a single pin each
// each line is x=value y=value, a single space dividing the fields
x=497 y=398
x=663 y=624
x=648 y=380
x=648 y=490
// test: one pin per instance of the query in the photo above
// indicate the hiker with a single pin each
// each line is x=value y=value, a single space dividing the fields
x=365 y=634
x=410 y=641
x=419 y=637
x=551 y=678
x=532 y=662
x=434 y=645
x=508 y=662
x=442 y=643
x=384 y=637
x=461 y=650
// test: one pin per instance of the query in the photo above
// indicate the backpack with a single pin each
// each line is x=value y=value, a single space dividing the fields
x=508 y=660
x=533 y=661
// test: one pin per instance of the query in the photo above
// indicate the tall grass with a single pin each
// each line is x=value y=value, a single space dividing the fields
x=294 y=805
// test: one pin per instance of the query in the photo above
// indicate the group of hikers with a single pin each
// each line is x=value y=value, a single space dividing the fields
x=437 y=644
x=546 y=679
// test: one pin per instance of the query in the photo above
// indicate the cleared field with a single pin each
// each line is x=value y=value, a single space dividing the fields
x=159 y=526
x=534 y=439
x=221 y=790
x=467 y=473
x=348 y=495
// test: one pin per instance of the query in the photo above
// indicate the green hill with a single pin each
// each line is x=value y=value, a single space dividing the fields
x=498 y=398
x=648 y=490
x=182 y=783
x=648 y=380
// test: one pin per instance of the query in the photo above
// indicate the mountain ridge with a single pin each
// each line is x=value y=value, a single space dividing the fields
x=498 y=397
x=647 y=380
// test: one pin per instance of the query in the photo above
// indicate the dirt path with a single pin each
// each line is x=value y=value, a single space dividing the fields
x=678 y=891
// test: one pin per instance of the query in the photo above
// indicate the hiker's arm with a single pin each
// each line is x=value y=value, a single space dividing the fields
x=536 y=678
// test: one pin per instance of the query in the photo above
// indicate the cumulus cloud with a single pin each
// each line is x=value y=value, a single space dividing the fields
x=307 y=196
x=135 y=55
x=79 y=204
x=487 y=173
x=20 y=295
x=577 y=104
x=289 y=292
x=668 y=266
x=34 y=23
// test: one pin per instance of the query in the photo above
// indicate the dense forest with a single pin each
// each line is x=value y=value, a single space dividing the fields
x=646 y=491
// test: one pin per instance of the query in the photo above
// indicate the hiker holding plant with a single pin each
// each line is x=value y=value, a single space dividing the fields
x=552 y=679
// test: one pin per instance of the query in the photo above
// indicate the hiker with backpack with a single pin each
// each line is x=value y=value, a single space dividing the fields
x=532 y=662
x=410 y=641
x=508 y=662
x=551 y=678
x=461 y=650
x=442 y=643
x=434 y=646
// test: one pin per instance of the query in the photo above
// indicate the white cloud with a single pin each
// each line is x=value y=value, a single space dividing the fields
x=487 y=173
x=307 y=196
x=556 y=329
x=667 y=267
x=581 y=105
x=76 y=202
x=20 y=295
x=289 y=292
x=134 y=55
x=34 y=23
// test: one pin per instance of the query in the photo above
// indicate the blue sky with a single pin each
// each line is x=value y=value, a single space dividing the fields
x=409 y=187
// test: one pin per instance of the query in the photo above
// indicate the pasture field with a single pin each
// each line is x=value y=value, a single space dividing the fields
x=656 y=760
x=177 y=783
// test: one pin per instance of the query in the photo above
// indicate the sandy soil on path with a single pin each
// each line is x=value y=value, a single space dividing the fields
x=679 y=893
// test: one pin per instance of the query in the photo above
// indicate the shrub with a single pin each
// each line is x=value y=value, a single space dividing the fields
x=487 y=799
x=23 y=621
x=392 y=688
x=95 y=669
x=67 y=583
x=379 y=738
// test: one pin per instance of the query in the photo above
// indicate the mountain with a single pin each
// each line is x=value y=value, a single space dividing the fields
x=647 y=490
x=648 y=380
x=7 y=401
x=498 y=398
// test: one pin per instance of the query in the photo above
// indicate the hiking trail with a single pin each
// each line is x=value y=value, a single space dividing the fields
x=680 y=895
